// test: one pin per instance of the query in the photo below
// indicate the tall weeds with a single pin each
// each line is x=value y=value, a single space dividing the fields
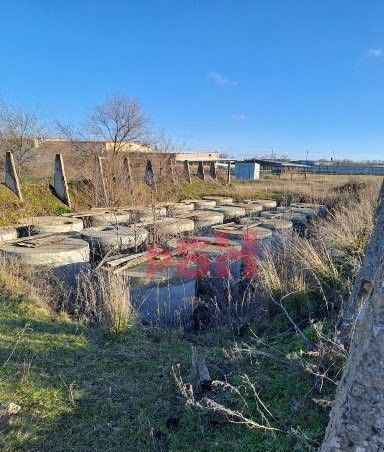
x=103 y=297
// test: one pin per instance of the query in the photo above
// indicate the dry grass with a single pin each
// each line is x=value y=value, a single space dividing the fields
x=280 y=273
x=297 y=262
x=45 y=292
x=118 y=314
x=103 y=297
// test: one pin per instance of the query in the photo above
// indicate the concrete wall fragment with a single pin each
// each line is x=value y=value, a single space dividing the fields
x=200 y=171
x=60 y=184
x=11 y=177
x=212 y=170
x=187 y=171
x=149 y=177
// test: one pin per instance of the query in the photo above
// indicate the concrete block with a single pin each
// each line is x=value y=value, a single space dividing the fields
x=187 y=171
x=273 y=224
x=200 y=203
x=203 y=218
x=148 y=214
x=230 y=213
x=11 y=177
x=105 y=239
x=200 y=171
x=179 y=207
x=51 y=224
x=250 y=209
x=108 y=218
x=149 y=177
x=165 y=227
x=60 y=181
x=101 y=190
x=219 y=199
x=212 y=170
x=7 y=234
x=234 y=231
x=266 y=203
x=66 y=257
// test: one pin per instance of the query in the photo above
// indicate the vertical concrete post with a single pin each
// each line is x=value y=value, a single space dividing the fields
x=60 y=181
x=149 y=177
x=128 y=174
x=228 y=173
x=212 y=170
x=187 y=171
x=101 y=180
x=11 y=177
x=200 y=171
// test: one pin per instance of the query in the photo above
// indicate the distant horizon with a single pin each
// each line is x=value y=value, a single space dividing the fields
x=238 y=78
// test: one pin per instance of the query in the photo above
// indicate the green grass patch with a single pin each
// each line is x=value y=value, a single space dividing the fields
x=38 y=200
x=79 y=390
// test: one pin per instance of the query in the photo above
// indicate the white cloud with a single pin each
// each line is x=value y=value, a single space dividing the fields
x=240 y=117
x=375 y=53
x=219 y=79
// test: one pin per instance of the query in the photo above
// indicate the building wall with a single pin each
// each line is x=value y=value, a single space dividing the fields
x=127 y=147
x=197 y=156
x=79 y=158
x=325 y=169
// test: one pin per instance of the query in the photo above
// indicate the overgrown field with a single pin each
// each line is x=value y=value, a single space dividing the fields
x=39 y=200
x=80 y=388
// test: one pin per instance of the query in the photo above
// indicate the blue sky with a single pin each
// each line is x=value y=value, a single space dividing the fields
x=242 y=77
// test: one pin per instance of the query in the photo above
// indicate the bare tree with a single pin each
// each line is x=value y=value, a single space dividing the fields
x=163 y=143
x=22 y=131
x=119 y=121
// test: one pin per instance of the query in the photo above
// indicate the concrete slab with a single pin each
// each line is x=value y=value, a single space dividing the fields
x=219 y=199
x=233 y=231
x=272 y=214
x=204 y=218
x=200 y=203
x=147 y=214
x=51 y=224
x=104 y=239
x=266 y=203
x=7 y=234
x=230 y=213
x=273 y=224
x=320 y=209
x=107 y=218
x=250 y=209
x=169 y=226
x=180 y=207
x=65 y=256
x=211 y=246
